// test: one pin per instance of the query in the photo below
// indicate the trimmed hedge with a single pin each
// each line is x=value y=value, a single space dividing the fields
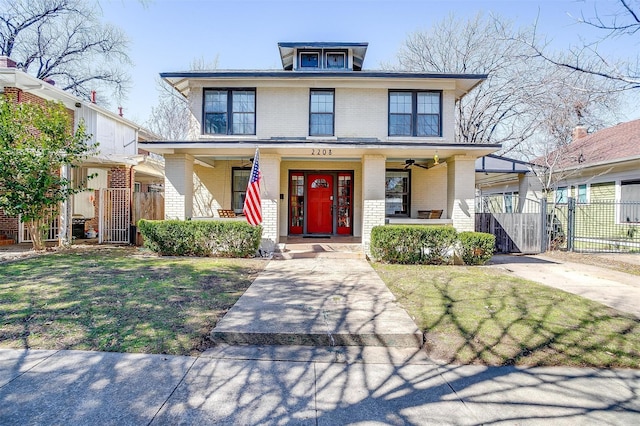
x=429 y=245
x=476 y=248
x=200 y=238
x=406 y=244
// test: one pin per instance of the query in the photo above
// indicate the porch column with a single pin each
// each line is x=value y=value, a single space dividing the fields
x=270 y=195
x=178 y=186
x=523 y=191
x=461 y=191
x=373 y=199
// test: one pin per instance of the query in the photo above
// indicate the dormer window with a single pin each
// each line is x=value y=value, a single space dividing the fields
x=321 y=56
x=336 y=60
x=309 y=60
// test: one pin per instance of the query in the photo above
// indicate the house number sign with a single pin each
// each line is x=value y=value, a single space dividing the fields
x=321 y=152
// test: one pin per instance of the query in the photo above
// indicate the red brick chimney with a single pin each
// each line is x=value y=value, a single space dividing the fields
x=579 y=132
x=7 y=62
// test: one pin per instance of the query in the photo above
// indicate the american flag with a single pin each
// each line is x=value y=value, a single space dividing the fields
x=252 y=205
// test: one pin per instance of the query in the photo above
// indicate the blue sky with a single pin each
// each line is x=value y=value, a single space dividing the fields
x=167 y=35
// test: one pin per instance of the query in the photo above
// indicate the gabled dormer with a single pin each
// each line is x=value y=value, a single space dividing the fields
x=322 y=56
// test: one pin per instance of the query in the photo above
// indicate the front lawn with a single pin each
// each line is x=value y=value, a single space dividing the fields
x=118 y=299
x=478 y=315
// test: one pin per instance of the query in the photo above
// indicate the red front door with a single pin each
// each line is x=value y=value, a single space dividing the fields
x=320 y=204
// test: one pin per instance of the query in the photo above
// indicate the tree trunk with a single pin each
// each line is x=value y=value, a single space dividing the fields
x=37 y=234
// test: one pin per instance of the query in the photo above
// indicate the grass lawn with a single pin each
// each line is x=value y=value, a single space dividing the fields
x=118 y=299
x=478 y=315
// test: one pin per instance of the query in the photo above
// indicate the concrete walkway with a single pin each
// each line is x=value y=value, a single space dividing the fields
x=318 y=299
x=245 y=385
x=612 y=288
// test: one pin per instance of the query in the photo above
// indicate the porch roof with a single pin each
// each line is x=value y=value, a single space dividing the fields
x=336 y=150
x=497 y=164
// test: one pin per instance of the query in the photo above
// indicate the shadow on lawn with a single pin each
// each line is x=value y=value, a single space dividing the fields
x=109 y=300
x=506 y=328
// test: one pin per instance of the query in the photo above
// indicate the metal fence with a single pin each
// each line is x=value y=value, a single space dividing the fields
x=597 y=226
x=115 y=216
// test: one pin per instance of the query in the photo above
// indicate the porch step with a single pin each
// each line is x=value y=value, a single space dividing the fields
x=334 y=248
x=406 y=340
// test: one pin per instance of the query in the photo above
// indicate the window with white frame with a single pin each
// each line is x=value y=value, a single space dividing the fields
x=630 y=201
x=562 y=195
x=582 y=194
x=336 y=60
x=309 y=60
x=229 y=111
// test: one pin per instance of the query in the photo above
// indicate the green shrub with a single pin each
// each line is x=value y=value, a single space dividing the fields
x=406 y=244
x=476 y=248
x=200 y=238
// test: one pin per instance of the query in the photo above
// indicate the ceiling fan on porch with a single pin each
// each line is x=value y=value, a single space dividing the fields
x=411 y=162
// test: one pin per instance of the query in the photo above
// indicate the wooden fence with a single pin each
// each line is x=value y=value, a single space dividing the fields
x=148 y=205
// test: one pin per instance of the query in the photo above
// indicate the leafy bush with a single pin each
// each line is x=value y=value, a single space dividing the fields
x=476 y=248
x=406 y=244
x=200 y=238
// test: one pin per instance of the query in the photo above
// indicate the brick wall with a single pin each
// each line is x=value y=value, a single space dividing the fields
x=461 y=192
x=360 y=112
x=270 y=192
x=8 y=225
x=178 y=186
x=373 y=207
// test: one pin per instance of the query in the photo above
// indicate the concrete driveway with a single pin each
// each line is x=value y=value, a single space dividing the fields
x=615 y=289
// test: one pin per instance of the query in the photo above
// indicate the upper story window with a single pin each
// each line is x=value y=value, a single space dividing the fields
x=309 y=59
x=230 y=111
x=322 y=59
x=414 y=113
x=336 y=60
x=321 y=111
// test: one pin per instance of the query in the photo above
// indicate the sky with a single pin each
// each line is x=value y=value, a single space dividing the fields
x=168 y=35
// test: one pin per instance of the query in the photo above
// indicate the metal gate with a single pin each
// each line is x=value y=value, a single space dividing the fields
x=115 y=215
x=522 y=231
x=596 y=226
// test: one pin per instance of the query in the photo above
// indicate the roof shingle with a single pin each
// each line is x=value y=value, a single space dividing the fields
x=606 y=145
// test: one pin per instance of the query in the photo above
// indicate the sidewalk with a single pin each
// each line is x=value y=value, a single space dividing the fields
x=302 y=385
x=612 y=288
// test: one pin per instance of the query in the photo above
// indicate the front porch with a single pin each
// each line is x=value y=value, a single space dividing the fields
x=346 y=192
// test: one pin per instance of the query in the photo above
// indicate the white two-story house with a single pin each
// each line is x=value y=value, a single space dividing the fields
x=342 y=149
x=118 y=166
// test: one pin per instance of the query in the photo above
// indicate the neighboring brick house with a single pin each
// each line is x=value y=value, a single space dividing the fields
x=115 y=163
x=342 y=149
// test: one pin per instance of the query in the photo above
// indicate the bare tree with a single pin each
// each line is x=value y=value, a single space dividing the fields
x=621 y=22
x=523 y=101
x=171 y=117
x=65 y=41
